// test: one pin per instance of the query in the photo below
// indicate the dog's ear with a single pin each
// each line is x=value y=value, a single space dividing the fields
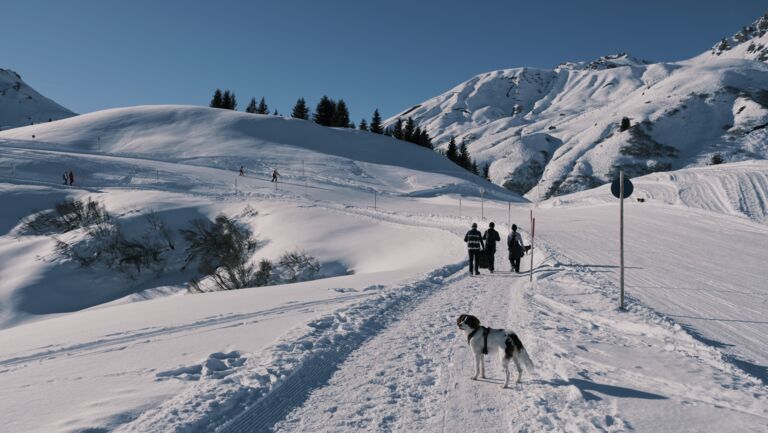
x=461 y=319
x=472 y=321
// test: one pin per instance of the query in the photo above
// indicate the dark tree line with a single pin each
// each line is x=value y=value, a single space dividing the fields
x=224 y=100
x=260 y=108
x=460 y=155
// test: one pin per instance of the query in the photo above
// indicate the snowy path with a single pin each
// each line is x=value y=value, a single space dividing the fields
x=595 y=373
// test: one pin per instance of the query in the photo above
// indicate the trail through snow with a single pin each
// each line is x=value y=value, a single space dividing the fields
x=616 y=371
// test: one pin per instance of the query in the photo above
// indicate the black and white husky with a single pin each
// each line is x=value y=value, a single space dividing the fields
x=481 y=339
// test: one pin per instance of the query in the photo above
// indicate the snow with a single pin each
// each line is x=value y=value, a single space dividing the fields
x=374 y=346
x=22 y=105
x=551 y=132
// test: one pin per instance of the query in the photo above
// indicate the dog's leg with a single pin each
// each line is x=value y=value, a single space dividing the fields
x=482 y=366
x=519 y=370
x=505 y=363
x=478 y=363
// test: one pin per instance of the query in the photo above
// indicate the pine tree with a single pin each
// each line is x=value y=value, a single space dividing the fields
x=487 y=171
x=425 y=140
x=262 y=108
x=474 y=168
x=352 y=125
x=408 y=130
x=300 y=110
x=325 y=111
x=275 y=113
x=452 y=153
x=464 y=159
x=363 y=125
x=251 y=108
x=226 y=100
x=216 y=100
x=232 y=101
x=376 y=127
x=341 y=115
x=397 y=131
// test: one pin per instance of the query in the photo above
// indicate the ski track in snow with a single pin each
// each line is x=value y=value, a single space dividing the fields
x=414 y=376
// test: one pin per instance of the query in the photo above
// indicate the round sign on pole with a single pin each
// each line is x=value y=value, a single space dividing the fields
x=615 y=187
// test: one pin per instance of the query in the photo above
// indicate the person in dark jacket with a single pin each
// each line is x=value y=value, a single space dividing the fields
x=275 y=174
x=516 y=251
x=71 y=177
x=491 y=236
x=475 y=247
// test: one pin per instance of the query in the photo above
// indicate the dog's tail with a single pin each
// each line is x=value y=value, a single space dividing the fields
x=514 y=344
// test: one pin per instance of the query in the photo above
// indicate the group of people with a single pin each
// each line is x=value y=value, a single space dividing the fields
x=275 y=174
x=485 y=245
x=68 y=177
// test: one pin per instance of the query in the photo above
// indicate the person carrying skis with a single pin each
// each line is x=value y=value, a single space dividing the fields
x=516 y=250
x=475 y=247
x=242 y=171
x=275 y=174
x=71 y=177
x=491 y=236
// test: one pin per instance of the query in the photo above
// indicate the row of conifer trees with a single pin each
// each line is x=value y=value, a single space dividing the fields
x=329 y=112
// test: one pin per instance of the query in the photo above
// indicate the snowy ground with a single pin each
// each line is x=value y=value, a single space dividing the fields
x=378 y=350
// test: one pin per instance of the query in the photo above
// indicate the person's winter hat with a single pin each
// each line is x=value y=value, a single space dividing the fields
x=491 y=225
x=474 y=225
x=514 y=227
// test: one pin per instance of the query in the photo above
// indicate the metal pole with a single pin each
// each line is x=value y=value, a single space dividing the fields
x=533 y=235
x=374 y=199
x=157 y=176
x=235 y=185
x=306 y=188
x=459 y=208
x=482 y=204
x=621 y=234
x=509 y=214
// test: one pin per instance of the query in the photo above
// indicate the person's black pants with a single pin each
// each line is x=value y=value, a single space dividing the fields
x=515 y=262
x=473 y=260
x=491 y=257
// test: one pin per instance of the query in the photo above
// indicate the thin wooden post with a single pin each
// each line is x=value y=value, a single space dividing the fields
x=235 y=185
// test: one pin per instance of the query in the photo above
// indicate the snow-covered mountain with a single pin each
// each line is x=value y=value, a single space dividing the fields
x=548 y=132
x=22 y=105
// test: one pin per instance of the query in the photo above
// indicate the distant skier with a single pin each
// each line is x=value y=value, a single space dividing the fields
x=491 y=236
x=475 y=246
x=65 y=176
x=516 y=250
x=242 y=171
x=275 y=175
x=71 y=177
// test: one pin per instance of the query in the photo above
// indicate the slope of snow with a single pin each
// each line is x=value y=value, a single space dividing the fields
x=22 y=105
x=557 y=131
x=739 y=189
x=373 y=347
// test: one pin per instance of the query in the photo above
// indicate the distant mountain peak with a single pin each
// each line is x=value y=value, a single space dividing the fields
x=606 y=62
x=22 y=105
x=750 y=42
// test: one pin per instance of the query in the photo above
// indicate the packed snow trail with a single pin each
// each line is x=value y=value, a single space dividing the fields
x=597 y=370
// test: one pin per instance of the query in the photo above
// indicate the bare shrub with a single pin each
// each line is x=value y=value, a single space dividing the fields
x=66 y=216
x=298 y=266
x=222 y=250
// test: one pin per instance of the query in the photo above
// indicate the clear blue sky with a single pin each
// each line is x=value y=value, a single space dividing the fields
x=96 y=54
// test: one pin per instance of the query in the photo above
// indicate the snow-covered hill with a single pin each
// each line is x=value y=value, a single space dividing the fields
x=548 y=132
x=22 y=105
x=372 y=346
x=738 y=189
